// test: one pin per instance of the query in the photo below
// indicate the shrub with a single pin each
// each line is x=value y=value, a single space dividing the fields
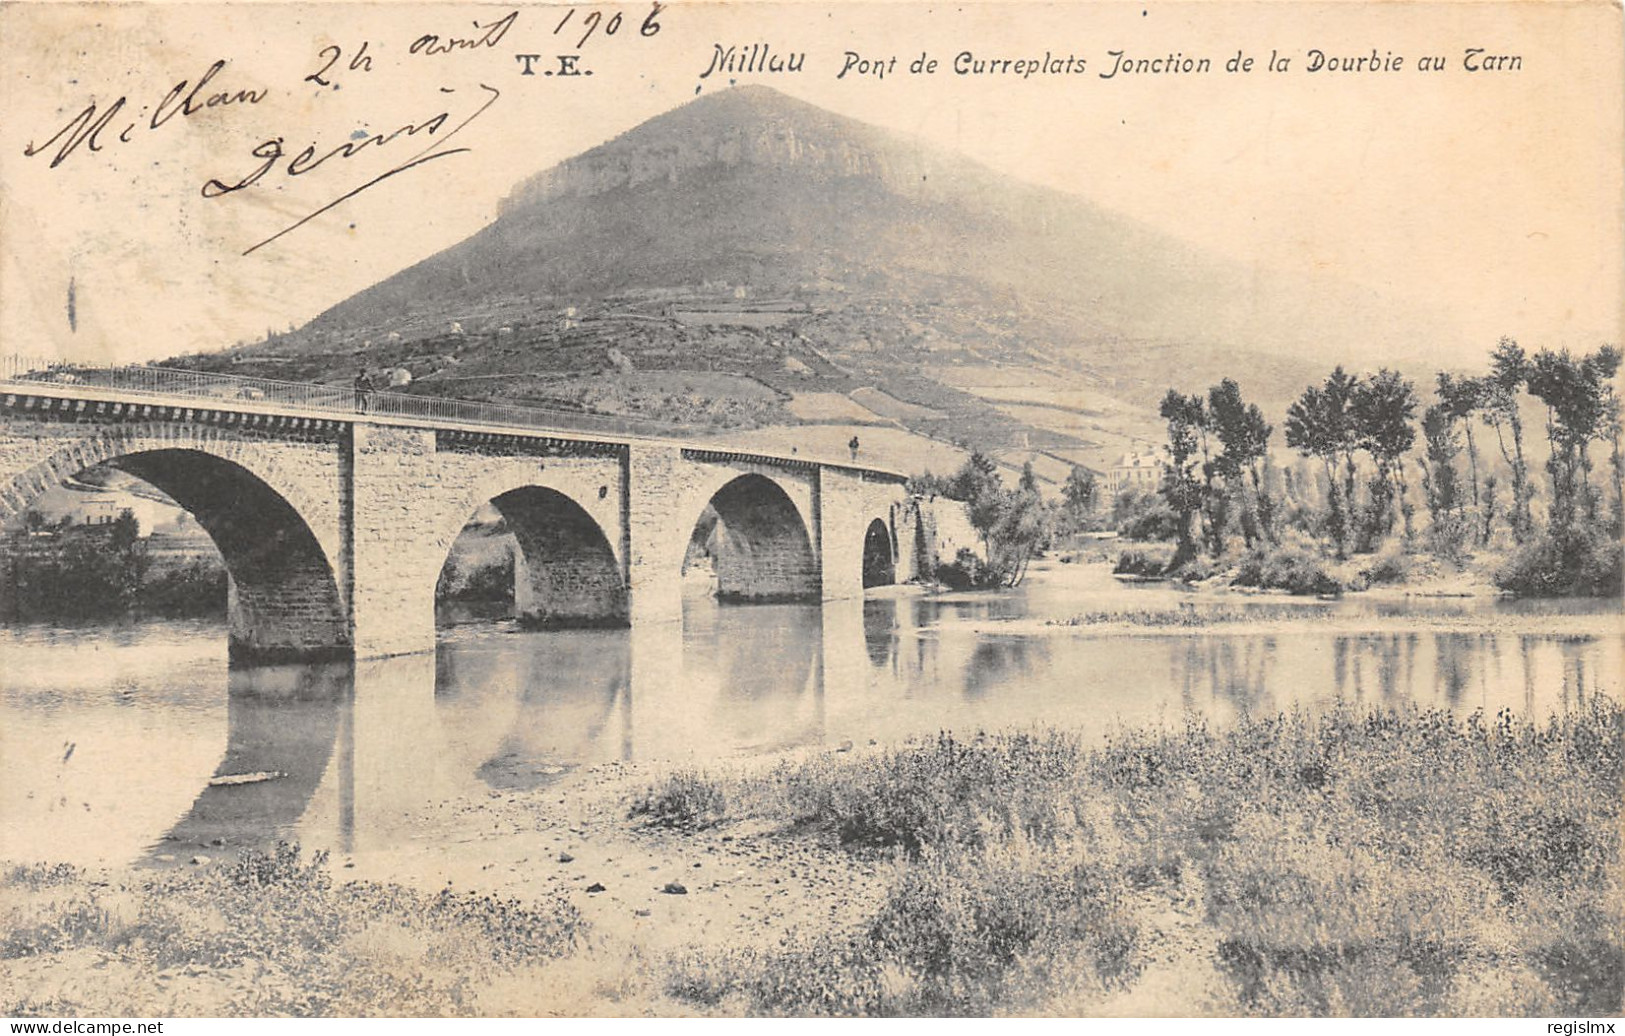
x=41 y=876
x=282 y=867
x=962 y=931
x=1198 y=568
x=1139 y=563
x=197 y=588
x=1449 y=534
x=1570 y=561
x=1142 y=514
x=996 y=926
x=473 y=579
x=687 y=800
x=1393 y=862
x=1391 y=566
x=1375 y=864
x=311 y=946
x=1286 y=567
x=947 y=790
x=968 y=572
x=824 y=976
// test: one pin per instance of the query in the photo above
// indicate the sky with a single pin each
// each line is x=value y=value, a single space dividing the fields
x=1491 y=198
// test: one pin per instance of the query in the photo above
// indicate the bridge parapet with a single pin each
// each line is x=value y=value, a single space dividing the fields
x=230 y=396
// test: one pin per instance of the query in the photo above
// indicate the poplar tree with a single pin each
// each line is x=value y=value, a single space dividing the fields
x=1509 y=369
x=1180 y=487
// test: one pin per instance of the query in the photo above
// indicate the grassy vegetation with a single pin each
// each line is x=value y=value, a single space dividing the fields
x=274 y=936
x=1294 y=565
x=1395 y=863
x=1398 y=862
x=998 y=905
x=686 y=800
x=1191 y=617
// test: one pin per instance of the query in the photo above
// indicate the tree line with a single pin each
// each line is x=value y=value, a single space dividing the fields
x=58 y=571
x=1381 y=471
x=1362 y=431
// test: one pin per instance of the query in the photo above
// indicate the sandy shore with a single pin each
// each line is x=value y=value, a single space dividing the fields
x=746 y=882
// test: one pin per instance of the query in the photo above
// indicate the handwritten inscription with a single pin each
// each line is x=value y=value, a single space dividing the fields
x=273 y=151
x=1121 y=65
x=488 y=36
x=184 y=99
x=593 y=20
x=96 y=124
x=361 y=61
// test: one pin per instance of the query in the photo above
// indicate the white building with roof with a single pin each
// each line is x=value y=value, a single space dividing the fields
x=1134 y=471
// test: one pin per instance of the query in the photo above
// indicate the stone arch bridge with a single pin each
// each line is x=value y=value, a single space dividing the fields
x=334 y=524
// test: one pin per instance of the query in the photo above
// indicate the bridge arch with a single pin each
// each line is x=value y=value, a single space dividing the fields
x=567 y=573
x=285 y=602
x=759 y=542
x=879 y=555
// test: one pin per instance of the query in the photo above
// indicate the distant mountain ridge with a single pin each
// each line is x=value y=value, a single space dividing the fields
x=747 y=125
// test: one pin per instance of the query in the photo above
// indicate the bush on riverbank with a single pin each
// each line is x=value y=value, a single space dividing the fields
x=1286 y=567
x=194 y=590
x=964 y=931
x=1389 y=567
x=946 y=791
x=687 y=800
x=476 y=576
x=968 y=571
x=1390 y=863
x=1292 y=567
x=998 y=906
x=271 y=935
x=1149 y=564
x=1573 y=561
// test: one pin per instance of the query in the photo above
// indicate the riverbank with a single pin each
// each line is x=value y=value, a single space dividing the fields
x=1401 y=862
x=1213 y=615
x=1299 y=566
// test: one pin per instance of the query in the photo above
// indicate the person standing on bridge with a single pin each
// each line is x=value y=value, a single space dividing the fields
x=853 y=446
x=363 y=390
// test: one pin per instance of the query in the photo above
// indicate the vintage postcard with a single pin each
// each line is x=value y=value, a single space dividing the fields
x=811 y=509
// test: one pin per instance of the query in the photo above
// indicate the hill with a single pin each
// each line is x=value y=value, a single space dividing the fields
x=749 y=259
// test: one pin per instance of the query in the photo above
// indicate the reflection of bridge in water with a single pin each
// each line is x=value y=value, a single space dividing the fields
x=375 y=752
x=367 y=747
x=334 y=524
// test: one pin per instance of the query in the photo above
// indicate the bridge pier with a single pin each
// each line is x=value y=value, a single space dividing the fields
x=848 y=504
x=393 y=528
x=655 y=543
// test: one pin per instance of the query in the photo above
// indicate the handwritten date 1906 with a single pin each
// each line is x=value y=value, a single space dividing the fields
x=594 y=22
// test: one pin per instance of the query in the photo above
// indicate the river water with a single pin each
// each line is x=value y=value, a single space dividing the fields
x=110 y=737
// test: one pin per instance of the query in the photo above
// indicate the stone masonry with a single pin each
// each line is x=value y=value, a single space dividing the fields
x=334 y=528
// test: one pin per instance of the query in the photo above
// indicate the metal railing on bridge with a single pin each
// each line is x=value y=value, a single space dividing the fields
x=171 y=383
